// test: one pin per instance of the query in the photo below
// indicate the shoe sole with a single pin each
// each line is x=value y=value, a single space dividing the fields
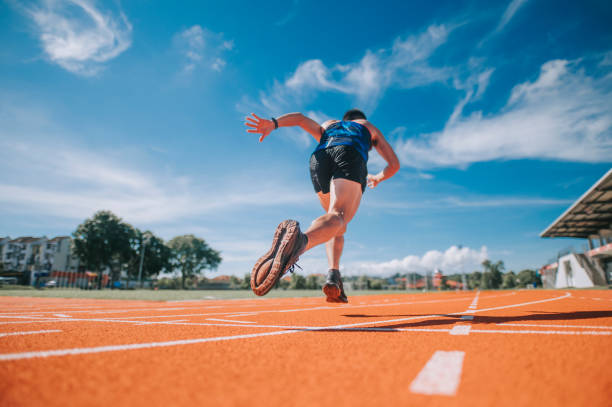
x=332 y=292
x=262 y=283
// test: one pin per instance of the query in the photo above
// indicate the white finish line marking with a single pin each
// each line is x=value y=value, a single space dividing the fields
x=441 y=374
x=30 y=332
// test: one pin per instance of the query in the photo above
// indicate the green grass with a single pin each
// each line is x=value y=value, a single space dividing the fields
x=172 y=295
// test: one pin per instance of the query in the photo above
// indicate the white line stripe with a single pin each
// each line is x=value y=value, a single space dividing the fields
x=441 y=374
x=29 y=332
x=62 y=315
x=62 y=352
x=230 y=320
x=26 y=322
x=422 y=329
x=567 y=295
x=99 y=349
x=557 y=326
x=460 y=330
x=474 y=303
x=501 y=331
x=157 y=323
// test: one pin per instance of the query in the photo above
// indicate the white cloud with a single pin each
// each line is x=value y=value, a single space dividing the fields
x=79 y=36
x=202 y=48
x=74 y=183
x=509 y=13
x=404 y=65
x=563 y=115
x=465 y=202
x=455 y=259
x=290 y=16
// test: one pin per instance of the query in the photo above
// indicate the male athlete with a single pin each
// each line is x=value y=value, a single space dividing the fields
x=339 y=176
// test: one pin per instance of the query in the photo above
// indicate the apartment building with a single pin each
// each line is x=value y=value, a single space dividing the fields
x=37 y=254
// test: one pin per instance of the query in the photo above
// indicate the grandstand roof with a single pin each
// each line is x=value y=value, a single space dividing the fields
x=588 y=215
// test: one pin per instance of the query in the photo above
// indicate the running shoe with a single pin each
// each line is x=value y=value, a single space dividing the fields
x=333 y=288
x=287 y=245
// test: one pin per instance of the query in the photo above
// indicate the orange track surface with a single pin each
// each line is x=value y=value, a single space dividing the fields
x=521 y=348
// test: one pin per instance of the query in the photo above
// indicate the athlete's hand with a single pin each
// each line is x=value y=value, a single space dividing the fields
x=259 y=125
x=373 y=180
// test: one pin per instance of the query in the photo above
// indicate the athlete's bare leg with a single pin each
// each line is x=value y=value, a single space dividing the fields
x=334 y=246
x=342 y=203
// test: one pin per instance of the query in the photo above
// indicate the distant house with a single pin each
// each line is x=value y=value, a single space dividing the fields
x=36 y=257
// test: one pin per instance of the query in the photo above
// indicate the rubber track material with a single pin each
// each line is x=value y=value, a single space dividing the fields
x=520 y=348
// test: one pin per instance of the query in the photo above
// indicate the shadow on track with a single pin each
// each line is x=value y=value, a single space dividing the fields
x=451 y=319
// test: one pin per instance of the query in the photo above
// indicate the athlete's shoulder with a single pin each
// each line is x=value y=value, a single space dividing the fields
x=328 y=123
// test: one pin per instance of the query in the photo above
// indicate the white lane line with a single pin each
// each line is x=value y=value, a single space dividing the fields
x=460 y=330
x=566 y=295
x=441 y=374
x=157 y=323
x=234 y=312
x=557 y=326
x=230 y=320
x=474 y=303
x=502 y=331
x=26 y=322
x=62 y=315
x=445 y=330
x=29 y=332
x=62 y=352
x=99 y=349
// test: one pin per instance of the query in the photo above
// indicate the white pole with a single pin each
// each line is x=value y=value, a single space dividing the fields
x=145 y=240
x=142 y=250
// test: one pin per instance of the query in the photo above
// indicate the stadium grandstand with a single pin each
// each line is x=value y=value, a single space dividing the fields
x=590 y=218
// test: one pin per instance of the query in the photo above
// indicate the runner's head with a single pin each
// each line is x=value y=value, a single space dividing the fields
x=353 y=114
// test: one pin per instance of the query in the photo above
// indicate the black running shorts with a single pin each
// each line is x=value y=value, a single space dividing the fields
x=337 y=162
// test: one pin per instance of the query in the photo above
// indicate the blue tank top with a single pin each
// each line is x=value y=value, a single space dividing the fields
x=347 y=134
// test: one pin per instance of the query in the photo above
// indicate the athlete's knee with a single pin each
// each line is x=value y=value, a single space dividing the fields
x=338 y=218
x=341 y=231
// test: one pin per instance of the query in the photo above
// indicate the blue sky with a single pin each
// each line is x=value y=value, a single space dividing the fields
x=500 y=113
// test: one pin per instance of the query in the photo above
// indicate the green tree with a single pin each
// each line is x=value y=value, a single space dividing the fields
x=474 y=280
x=191 y=255
x=283 y=284
x=509 y=280
x=298 y=282
x=312 y=282
x=103 y=241
x=235 y=282
x=246 y=282
x=363 y=282
x=157 y=256
x=492 y=276
x=375 y=284
x=528 y=277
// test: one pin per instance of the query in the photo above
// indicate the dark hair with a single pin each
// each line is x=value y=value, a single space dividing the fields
x=353 y=114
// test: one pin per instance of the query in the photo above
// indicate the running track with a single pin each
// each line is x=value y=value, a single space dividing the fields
x=485 y=348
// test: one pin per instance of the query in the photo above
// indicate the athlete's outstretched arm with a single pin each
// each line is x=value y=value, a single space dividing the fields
x=265 y=126
x=386 y=151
